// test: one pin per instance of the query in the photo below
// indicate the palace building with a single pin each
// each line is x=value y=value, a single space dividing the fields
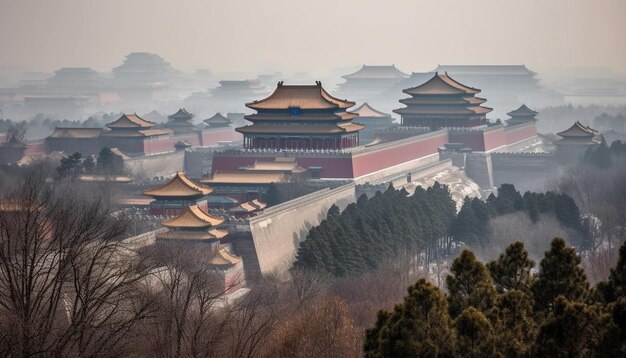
x=218 y=121
x=370 y=81
x=373 y=120
x=194 y=226
x=300 y=117
x=443 y=102
x=575 y=141
x=175 y=196
x=522 y=115
x=180 y=122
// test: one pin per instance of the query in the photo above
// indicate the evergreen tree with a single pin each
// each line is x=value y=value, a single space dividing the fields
x=71 y=166
x=511 y=271
x=513 y=322
x=508 y=200
x=272 y=196
x=419 y=327
x=106 y=162
x=599 y=156
x=465 y=228
x=615 y=288
x=474 y=332
x=469 y=284
x=560 y=274
x=573 y=329
x=89 y=164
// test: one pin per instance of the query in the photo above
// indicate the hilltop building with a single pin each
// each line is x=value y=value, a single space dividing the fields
x=369 y=82
x=443 y=102
x=218 y=121
x=300 y=117
x=575 y=141
x=180 y=122
x=506 y=86
x=194 y=225
x=522 y=115
x=373 y=119
x=180 y=192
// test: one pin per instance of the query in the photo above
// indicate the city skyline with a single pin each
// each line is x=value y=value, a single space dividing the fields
x=249 y=37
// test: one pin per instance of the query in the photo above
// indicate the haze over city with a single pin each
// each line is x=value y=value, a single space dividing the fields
x=247 y=36
x=312 y=179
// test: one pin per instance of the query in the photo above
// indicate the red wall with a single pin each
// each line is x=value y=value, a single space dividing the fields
x=519 y=133
x=374 y=161
x=494 y=139
x=35 y=147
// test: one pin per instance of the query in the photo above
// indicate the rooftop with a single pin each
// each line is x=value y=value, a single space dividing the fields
x=439 y=84
x=377 y=72
x=193 y=218
x=223 y=258
x=217 y=118
x=181 y=114
x=523 y=111
x=130 y=120
x=365 y=110
x=244 y=177
x=60 y=132
x=179 y=186
x=578 y=130
x=300 y=96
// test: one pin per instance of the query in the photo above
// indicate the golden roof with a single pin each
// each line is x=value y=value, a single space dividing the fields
x=130 y=120
x=441 y=84
x=76 y=132
x=249 y=206
x=523 y=110
x=218 y=118
x=377 y=72
x=448 y=101
x=181 y=114
x=315 y=116
x=193 y=217
x=179 y=186
x=213 y=234
x=300 y=96
x=224 y=258
x=443 y=110
x=137 y=133
x=365 y=110
x=578 y=130
x=301 y=129
x=244 y=177
x=277 y=165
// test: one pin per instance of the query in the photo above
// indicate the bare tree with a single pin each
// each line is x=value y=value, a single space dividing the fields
x=68 y=286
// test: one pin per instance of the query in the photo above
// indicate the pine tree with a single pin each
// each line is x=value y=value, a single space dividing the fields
x=560 y=274
x=89 y=164
x=474 y=332
x=71 y=166
x=511 y=271
x=615 y=288
x=419 y=327
x=465 y=227
x=573 y=329
x=272 y=196
x=508 y=200
x=469 y=284
x=513 y=321
x=106 y=162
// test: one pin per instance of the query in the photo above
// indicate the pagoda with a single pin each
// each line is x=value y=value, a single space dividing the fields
x=217 y=121
x=131 y=125
x=575 y=141
x=373 y=120
x=370 y=81
x=180 y=122
x=443 y=102
x=12 y=150
x=176 y=195
x=230 y=267
x=300 y=117
x=194 y=225
x=522 y=115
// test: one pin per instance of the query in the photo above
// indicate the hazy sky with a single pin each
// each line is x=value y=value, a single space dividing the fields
x=314 y=35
